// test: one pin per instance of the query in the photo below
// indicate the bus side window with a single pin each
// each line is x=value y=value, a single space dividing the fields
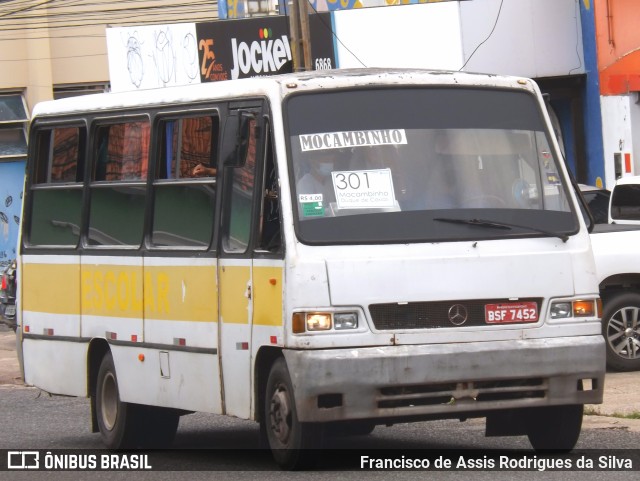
x=57 y=186
x=120 y=166
x=65 y=151
x=185 y=184
x=238 y=207
x=122 y=151
x=270 y=238
x=189 y=147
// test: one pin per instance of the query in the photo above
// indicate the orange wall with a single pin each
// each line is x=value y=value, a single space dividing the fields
x=618 y=44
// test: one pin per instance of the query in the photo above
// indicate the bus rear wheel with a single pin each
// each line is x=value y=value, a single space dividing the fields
x=115 y=418
x=292 y=443
x=125 y=425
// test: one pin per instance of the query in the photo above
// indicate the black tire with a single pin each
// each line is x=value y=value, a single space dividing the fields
x=621 y=331
x=293 y=444
x=116 y=419
x=554 y=428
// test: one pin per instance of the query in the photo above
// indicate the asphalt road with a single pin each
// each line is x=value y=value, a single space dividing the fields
x=218 y=447
x=226 y=448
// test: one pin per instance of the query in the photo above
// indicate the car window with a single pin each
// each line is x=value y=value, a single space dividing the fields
x=598 y=202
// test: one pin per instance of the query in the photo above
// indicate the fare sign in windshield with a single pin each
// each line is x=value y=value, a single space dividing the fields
x=363 y=189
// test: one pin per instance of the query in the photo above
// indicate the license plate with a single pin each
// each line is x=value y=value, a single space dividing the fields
x=511 y=312
x=10 y=311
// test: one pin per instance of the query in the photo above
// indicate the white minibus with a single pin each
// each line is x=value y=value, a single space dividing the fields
x=321 y=252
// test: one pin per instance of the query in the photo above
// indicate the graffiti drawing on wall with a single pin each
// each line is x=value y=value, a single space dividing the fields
x=135 y=66
x=152 y=56
x=12 y=175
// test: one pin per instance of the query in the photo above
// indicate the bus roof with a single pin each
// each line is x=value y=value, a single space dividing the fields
x=275 y=86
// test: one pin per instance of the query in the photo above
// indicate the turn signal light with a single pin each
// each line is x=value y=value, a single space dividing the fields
x=584 y=308
x=298 y=322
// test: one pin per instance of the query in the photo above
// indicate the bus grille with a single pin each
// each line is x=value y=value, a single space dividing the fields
x=433 y=315
x=454 y=393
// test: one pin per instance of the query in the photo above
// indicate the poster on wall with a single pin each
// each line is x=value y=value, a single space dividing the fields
x=182 y=54
x=153 y=56
x=322 y=41
x=236 y=49
x=12 y=175
x=254 y=47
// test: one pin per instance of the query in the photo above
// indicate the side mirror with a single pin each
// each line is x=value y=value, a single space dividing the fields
x=235 y=142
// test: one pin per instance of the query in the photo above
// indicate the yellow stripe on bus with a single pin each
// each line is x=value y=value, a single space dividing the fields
x=163 y=292
x=234 y=295
x=186 y=293
x=51 y=288
x=267 y=301
x=266 y=292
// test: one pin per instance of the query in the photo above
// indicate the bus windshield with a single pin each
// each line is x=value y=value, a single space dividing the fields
x=423 y=164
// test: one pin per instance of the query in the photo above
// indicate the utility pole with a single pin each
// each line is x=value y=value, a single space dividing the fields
x=300 y=36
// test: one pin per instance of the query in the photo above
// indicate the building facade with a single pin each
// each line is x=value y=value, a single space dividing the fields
x=617 y=41
x=53 y=50
x=583 y=53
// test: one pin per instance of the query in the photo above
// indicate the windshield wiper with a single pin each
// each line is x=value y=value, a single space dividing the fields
x=501 y=225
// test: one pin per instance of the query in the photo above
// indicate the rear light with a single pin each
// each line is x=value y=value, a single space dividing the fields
x=4 y=284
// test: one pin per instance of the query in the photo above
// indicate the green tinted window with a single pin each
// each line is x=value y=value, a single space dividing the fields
x=55 y=218
x=240 y=203
x=117 y=194
x=183 y=215
x=117 y=215
x=185 y=186
x=57 y=186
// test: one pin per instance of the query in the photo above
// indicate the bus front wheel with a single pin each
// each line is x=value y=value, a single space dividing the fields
x=292 y=443
x=554 y=428
x=115 y=418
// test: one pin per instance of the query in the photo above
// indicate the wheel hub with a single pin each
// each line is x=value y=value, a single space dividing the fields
x=109 y=402
x=280 y=415
x=623 y=333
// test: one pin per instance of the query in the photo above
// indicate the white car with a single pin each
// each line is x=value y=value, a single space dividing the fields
x=615 y=244
x=624 y=207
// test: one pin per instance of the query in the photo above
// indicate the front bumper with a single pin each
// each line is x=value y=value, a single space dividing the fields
x=445 y=380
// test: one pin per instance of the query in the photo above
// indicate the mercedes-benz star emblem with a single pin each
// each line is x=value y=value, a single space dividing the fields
x=458 y=314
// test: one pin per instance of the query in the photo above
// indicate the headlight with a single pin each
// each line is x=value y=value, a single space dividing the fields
x=575 y=309
x=318 y=321
x=345 y=320
x=560 y=310
x=323 y=321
